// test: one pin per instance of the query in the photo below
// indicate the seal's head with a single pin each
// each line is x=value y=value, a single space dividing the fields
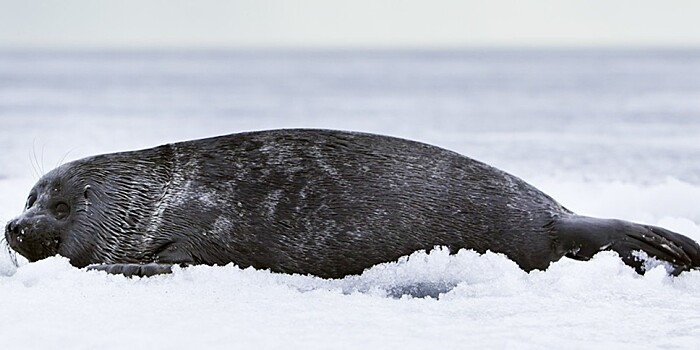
x=53 y=206
x=95 y=210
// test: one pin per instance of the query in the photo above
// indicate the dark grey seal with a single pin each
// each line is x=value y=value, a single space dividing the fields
x=326 y=203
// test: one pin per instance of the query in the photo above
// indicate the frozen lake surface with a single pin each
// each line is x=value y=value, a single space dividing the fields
x=606 y=133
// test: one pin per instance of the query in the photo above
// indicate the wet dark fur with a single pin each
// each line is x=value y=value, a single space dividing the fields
x=326 y=203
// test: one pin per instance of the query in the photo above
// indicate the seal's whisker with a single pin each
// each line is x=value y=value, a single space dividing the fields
x=35 y=173
x=11 y=253
x=60 y=162
x=41 y=166
x=33 y=160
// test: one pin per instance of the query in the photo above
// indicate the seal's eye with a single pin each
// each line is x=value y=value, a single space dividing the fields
x=61 y=210
x=31 y=200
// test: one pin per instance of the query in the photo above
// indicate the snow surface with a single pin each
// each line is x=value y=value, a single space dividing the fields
x=610 y=134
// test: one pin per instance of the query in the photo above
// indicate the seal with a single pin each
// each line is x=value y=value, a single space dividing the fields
x=319 y=202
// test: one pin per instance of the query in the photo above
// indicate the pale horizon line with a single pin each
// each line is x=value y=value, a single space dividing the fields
x=365 y=47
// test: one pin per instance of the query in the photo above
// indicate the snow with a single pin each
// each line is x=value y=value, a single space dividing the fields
x=49 y=304
x=624 y=147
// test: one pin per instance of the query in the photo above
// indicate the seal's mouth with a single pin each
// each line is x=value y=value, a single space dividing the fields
x=31 y=245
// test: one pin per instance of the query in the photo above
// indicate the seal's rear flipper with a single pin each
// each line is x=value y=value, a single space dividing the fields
x=580 y=238
x=131 y=270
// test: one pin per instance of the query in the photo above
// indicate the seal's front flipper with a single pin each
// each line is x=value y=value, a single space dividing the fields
x=131 y=270
x=580 y=238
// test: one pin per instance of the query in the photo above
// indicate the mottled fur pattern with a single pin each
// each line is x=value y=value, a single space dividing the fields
x=319 y=202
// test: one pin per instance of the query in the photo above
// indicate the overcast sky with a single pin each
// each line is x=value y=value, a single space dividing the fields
x=347 y=23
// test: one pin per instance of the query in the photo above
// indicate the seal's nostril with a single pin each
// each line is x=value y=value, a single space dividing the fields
x=12 y=227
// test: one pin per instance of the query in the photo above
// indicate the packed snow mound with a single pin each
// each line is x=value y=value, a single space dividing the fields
x=436 y=274
x=482 y=300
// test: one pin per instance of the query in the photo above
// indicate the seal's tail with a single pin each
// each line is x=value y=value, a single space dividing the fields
x=580 y=238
